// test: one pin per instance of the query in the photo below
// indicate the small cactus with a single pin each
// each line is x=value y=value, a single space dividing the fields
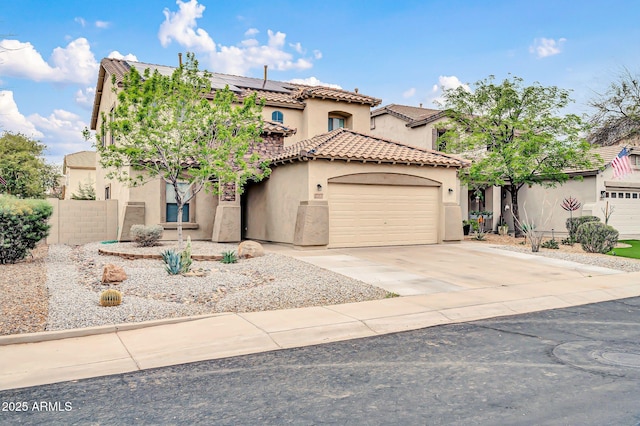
x=110 y=297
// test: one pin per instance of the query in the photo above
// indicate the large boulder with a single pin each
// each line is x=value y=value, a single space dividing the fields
x=113 y=274
x=249 y=249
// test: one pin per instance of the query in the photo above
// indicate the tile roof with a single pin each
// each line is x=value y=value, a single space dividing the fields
x=278 y=128
x=343 y=144
x=276 y=93
x=406 y=112
x=305 y=92
x=82 y=159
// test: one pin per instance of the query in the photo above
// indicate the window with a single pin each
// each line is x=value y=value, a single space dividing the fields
x=111 y=120
x=441 y=145
x=171 y=209
x=620 y=194
x=627 y=195
x=335 y=123
x=635 y=195
x=277 y=117
x=613 y=195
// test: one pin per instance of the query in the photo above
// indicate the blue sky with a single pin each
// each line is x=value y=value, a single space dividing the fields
x=403 y=52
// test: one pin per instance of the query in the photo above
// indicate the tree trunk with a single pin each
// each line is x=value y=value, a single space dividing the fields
x=513 y=190
x=179 y=221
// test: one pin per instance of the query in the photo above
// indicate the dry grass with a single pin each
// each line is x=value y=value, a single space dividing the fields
x=23 y=294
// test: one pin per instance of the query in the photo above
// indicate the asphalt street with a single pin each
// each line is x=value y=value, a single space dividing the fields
x=573 y=366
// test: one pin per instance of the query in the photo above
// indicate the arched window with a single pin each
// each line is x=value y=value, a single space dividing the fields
x=277 y=117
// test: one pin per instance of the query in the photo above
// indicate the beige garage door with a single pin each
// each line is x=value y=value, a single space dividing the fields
x=382 y=215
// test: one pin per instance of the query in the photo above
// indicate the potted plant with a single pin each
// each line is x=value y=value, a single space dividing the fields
x=466 y=226
x=503 y=228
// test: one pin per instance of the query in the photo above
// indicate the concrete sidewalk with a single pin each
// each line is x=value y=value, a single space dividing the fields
x=50 y=357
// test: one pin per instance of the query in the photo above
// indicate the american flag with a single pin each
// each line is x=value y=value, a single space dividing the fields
x=621 y=164
x=2 y=181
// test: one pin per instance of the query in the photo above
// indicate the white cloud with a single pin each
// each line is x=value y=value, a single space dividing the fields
x=85 y=97
x=297 y=47
x=103 y=24
x=74 y=63
x=312 y=81
x=12 y=120
x=128 y=57
x=62 y=133
x=181 y=26
x=445 y=82
x=81 y=21
x=409 y=93
x=543 y=47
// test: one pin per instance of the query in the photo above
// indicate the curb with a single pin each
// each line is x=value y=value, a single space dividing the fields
x=45 y=336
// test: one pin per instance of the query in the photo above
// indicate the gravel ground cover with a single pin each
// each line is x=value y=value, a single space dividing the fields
x=269 y=282
x=58 y=286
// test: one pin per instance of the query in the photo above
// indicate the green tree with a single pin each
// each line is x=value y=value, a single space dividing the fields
x=85 y=192
x=514 y=135
x=175 y=128
x=23 y=167
x=617 y=111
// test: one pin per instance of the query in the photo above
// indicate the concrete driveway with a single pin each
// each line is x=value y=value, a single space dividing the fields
x=426 y=269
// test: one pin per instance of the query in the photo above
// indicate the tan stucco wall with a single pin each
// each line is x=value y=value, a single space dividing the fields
x=316 y=114
x=273 y=205
x=81 y=222
x=390 y=127
x=292 y=118
x=75 y=177
x=540 y=203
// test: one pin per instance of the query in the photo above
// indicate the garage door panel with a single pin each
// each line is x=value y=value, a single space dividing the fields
x=378 y=215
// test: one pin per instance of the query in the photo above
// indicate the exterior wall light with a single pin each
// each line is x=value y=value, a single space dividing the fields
x=450 y=190
x=602 y=194
x=319 y=188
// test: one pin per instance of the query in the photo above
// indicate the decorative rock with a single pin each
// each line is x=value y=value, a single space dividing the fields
x=113 y=274
x=250 y=249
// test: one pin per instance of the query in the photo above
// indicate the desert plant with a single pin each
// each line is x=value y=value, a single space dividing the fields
x=607 y=211
x=110 y=297
x=573 y=224
x=596 y=237
x=173 y=262
x=185 y=257
x=528 y=227
x=229 y=257
x=146 y=236
x=567 y=242
x=479 y=235
x=23 y=223
x=550 y=244
x=85 y=192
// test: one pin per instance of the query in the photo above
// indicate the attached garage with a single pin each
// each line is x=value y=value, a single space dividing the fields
x=382 y=215
x=348 y=189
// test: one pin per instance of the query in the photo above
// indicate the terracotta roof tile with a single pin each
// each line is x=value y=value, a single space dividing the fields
x=278 y=128
x=305 y=92
x=414 y=116
x=343 y=144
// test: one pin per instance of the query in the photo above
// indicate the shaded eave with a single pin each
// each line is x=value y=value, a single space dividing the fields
x=310 y=157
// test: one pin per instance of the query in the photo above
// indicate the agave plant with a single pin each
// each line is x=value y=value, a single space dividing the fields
x=173 y=262
x=229 y=257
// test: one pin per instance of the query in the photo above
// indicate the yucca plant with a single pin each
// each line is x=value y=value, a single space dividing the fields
x=185 y=257
x=173 y=262
x=229 y=257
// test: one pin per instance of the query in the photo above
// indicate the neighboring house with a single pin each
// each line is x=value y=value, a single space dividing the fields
x=414 y=126
x=597 y=190
x=297 y=203
x=78 y=169
x=421 y=127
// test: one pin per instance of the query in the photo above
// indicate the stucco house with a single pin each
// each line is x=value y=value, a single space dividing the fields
x=316 y=138
x=597 y=191
x=78 y=169
x=422 y=127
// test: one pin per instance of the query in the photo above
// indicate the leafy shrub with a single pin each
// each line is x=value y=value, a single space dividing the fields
x=146 y=236
x=23 y=223
x=229 y=257
x=596 y=237
x=567 y=242
x=574 y=223
x=173 y=262
x=550 y=244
